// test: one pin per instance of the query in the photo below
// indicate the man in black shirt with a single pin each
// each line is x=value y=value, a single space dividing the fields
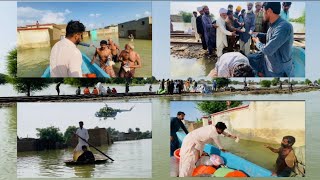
x=175 y=124
x=86 y=156
x=200 y=28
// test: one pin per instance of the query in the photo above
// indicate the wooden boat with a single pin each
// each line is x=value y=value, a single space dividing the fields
x=233 y=161
x=73 y=163
x=89 y=70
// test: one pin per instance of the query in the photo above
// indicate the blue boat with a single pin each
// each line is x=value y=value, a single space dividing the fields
x=234 y=162
x=87 y=68
x=299 y=61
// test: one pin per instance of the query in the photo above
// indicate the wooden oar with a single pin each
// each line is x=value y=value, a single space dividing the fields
x=95 y=148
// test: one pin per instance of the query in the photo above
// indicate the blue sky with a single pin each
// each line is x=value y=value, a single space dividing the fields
x=92 y=14
x=296 y=9
x=188 y=107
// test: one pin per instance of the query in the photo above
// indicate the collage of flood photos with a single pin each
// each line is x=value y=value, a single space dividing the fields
x=159 y=89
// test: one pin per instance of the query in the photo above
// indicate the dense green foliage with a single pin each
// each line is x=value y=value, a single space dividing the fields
x=3 y=78
x=301 y=19
x=51 y=134
x=307 y=82
x=186 y=16
x=275 y=81
x=210 y=107
x=265 y=83
x=69 y=133
x=222 y=82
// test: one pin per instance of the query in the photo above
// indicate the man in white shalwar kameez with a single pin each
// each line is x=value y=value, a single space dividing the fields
x=222 y=32
x=193 y=144
x=194 y=25
x=83 y=133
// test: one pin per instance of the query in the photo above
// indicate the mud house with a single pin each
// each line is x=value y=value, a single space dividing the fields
x=41 y=35
x=140 y=29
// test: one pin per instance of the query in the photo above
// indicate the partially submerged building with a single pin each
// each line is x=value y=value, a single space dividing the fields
x=140 y=29
x=40 y=35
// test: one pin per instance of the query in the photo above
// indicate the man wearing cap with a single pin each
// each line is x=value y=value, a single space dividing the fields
x=275 y=57
x=222 y=32
x=209 y=30
x=249 y=25
x=83 y=133
x=200 y=29
x=230 y=7
x=285 y=10
x=194 y=25
x=237 y=12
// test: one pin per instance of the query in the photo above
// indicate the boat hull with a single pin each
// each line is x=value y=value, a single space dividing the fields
x=87 y=68
x=233 y=161
x=75 y=163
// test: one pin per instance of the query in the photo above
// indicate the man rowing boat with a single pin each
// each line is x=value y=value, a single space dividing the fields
x=81 y=133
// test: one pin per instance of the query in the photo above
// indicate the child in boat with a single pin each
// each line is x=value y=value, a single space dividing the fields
x=87 y=156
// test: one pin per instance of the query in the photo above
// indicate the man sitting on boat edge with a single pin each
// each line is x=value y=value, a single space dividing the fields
x=87 y=156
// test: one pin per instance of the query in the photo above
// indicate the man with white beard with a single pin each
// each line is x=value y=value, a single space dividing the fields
x=222 y=32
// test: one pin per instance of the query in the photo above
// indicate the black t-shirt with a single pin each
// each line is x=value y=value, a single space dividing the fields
x=86 y=156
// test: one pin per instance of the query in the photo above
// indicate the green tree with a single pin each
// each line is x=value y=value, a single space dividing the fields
x=83 y=82
x=3 y=78
x=69 y=133
x=222 y=82
x=23 y=85
x=186 y=16
x=301 y=19
x=130 y=130
x=318 y=81
x=210 y=107
x=51 y=134
x=307 y=82
x=265 y=83
x=275 y=81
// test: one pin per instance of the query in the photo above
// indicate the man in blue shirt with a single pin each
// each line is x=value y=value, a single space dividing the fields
x=209 y=30
x=175 y=125
x=275 y=57
x=285 y=10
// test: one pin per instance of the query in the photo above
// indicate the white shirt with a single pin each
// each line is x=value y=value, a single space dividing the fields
x=205 y=135
x=222 y=32
x=228 y=61
x=85 y=135
x=194 y=23
x=65 y=60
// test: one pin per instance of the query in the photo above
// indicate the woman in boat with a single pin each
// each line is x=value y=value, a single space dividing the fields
x=193 y=144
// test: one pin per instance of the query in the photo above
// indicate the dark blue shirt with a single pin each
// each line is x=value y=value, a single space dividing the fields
x=175 y=125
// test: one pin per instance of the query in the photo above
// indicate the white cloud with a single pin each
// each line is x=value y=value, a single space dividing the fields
x=95 y=15
x=29 y=15
x=138 y=15
x=147 y=13
x=67 y=11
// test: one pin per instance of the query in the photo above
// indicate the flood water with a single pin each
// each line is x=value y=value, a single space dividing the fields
x=132 y=159
x=33 y=62
x=160 y=145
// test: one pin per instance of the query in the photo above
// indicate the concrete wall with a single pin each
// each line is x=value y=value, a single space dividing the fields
x=266 y=121
x=141 y=28
x=97 y=137
x=33 y=38
x=27 y=145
